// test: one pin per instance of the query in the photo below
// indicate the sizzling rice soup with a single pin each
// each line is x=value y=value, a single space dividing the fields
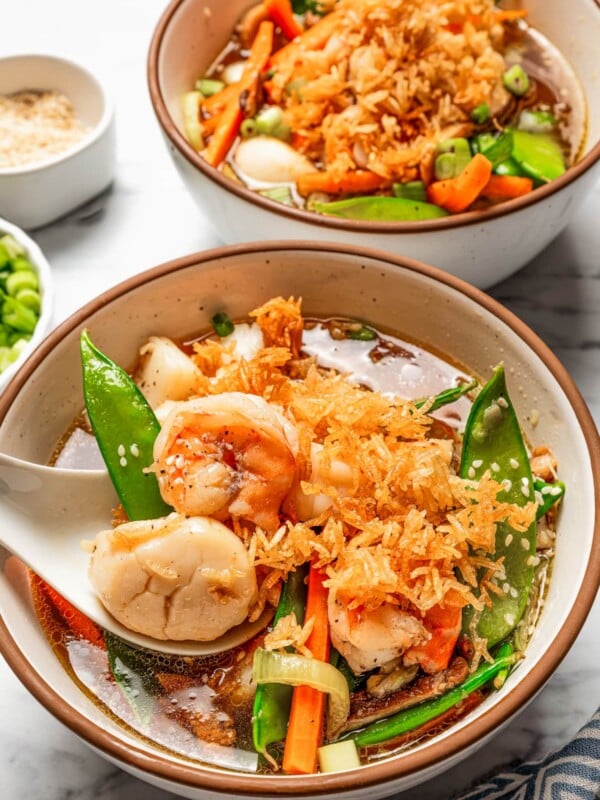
x=387 y=110
x=404 y=566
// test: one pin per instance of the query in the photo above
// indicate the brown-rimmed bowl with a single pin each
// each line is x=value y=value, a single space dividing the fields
x=481 y=247
x=421 y=304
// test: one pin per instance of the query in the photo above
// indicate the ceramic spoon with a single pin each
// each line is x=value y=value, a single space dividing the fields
x=47 y=512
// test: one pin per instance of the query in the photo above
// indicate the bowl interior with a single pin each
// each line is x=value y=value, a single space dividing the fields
x=415 y=302
x=41 y=72
x=198 y=29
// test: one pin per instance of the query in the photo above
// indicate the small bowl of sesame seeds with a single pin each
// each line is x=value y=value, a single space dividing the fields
x=57 y=138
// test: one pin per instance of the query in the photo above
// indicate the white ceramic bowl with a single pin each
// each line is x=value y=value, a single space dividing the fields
x=36 y=194
x=424 y=304
x=480 y=247
x=44 y=274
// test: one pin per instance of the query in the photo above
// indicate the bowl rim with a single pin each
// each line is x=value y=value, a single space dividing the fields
x=90 y=136
x=301 y=215
x=44 y=272
x=196 y=776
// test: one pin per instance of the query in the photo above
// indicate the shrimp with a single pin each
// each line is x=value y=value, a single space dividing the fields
x=174 y=578
x=372 y=639
x=332 y=473
x=228 y=455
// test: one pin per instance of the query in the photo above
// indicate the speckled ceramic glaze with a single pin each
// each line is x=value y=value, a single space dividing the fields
x=481 y=247
x=417 y=302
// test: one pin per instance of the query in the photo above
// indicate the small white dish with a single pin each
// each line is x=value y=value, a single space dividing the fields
x=44 y=324
x=35 y=194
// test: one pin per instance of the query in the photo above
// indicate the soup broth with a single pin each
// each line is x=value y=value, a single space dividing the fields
x=201 y=708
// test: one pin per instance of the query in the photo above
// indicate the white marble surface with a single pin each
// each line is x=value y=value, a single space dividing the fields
x=147 y=218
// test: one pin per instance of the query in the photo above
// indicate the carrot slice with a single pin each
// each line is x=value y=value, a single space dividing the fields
x=338 y=182
x=77 y=622
x=217 y=102
x=230 y=120
x=313 y=38
x=457 y=194
x=305 y=727
x=280 y=11
x=444 y=625
x=505 y=187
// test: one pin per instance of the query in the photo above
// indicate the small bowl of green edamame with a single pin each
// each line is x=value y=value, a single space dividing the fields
x=26 y=298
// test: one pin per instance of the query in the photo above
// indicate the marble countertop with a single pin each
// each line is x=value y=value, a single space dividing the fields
x=147 y=218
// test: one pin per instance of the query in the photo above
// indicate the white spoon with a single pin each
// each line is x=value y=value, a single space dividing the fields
x=46 y=512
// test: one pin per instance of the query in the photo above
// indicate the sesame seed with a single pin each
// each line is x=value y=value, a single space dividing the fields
x=477 y=463
x=525 y=543
x=533 y=561
x=514 y=463
x=121 y=450
x=506 y=588
x=513 y=592
x=508 y=540
x=555 y=491
x=506 y=484
x=509 y=619
x=134 y=450
x=471 y=472
x=495 y=467
x=179 y=461
x=123 y=461
x=525 y=491
x=525 y=481
x=546 y=489
x=170 y=460
x=502 y=402
x=539 y=499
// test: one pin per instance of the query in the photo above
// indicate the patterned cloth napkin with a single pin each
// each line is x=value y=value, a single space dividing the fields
x=572 y=773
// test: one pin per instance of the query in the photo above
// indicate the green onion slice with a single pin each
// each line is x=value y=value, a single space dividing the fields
x=296 y=670
x=222 y=324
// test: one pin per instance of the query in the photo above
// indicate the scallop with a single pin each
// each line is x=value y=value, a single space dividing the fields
x=179 y=578
x=165 y=372
x=264 y=158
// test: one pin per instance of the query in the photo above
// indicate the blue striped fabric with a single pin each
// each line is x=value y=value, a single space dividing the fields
x=572 y=773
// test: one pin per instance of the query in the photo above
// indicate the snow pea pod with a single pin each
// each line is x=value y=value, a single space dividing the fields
x=272 y=701
x=125 y=428
x=539 y=155
x=382 y=209
x=412 y=718
x=493 y=441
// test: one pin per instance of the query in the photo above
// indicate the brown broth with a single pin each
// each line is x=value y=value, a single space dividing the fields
x=201 y=708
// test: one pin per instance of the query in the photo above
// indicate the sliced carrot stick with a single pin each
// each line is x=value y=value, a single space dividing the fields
x=230 y=120
x=217 y=102
x=313 y=38
x=338 y=182
x=305 y=727
x=457 y=194
x=77 y=622
x=504 y=187
x=508 y=14
x=444 y=625
x=280 y=11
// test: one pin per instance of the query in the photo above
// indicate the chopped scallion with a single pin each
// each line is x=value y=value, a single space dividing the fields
x=516 y=80
x=222 y=324
x=208 y=86
x=481 y=114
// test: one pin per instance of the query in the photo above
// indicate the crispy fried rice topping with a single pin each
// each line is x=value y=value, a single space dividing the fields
x=410 y=531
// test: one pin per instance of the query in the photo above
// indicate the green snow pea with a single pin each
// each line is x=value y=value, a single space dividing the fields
x=381 y=209
x=539 y=155
x=272 y=701
x=125 y=428
x=493 y=441
x=412 y=718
